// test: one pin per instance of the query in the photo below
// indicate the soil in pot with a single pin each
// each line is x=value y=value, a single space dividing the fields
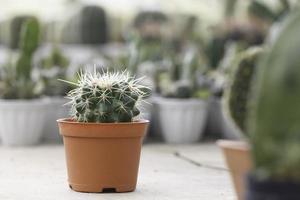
x=270 y=189
x=102 y=156
x=238 y=159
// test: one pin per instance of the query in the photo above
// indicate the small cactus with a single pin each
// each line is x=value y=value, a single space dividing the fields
x=106 y=97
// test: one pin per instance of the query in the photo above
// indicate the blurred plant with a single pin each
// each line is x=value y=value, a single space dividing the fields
x=16 y=81
x=274 y=121
x=182 y=81
x=147 y=43
x=106 y=97
x=261 y=10
x=15 y=28
x=87 y=27
x=52 y=68
x=239 y=91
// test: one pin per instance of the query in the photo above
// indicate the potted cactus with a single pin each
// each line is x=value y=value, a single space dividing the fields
x=182 y=109
x=274 y=121
x=104 y=122
x=22 y=113
x=53 y=67
x=235 y=102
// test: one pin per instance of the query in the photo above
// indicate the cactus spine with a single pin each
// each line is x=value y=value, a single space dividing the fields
x=106 y=97
x=275 y=120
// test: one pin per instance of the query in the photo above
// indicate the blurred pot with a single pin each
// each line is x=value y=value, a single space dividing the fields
x=56 y=110
x=181 y=120
x=22 y=121
x=238 y=159
x=102 y=156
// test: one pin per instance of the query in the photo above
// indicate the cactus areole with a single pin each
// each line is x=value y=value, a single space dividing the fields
x=106 y=97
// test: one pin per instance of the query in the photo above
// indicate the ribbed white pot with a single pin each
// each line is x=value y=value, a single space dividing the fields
x=56 y=110
x=181 y=120
x=22 y=121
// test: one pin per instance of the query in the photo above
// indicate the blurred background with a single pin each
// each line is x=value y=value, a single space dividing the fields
x=186 y=50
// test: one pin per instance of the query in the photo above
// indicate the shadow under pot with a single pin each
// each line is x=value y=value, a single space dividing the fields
x=102 y=156
x=271 y=189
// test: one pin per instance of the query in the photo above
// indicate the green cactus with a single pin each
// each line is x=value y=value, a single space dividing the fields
x=29 y=42
x=274 y=121
x=181 y=82
x=106 y=97
x=15 y=77
x=240 y=87
x=15 y=29
x=54 y=67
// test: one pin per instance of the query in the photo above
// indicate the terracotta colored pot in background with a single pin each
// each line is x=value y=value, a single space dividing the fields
x=238 y=159
x=102 y=156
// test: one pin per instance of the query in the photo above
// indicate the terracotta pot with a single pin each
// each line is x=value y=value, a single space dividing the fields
x=238 y=159
x=102 y=156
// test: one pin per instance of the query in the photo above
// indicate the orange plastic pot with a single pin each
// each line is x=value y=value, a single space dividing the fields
x=102 y=156
x=238 y=159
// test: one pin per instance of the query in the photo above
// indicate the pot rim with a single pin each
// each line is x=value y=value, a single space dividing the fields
x=71 y=121
x=176 y=101
x=232 y=144
x=71 y=128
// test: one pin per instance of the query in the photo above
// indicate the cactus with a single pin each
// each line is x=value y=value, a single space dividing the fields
x=15 y=29
x=241 y=84
x=106 y=97
x=52 y=68
x=29 y=42
x=181 y=81
x=15 y=77
x=274 y=121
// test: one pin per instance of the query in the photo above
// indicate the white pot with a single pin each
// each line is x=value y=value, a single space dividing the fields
x=181 y=120
x=57 y=109
x=22 y=121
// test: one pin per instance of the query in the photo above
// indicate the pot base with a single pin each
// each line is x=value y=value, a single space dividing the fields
x=100 y=189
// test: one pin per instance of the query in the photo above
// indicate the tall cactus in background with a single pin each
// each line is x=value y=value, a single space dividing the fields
x=241 y=85
x=106 y=97
x=15 y=29
x=30 y=35
x=15 y=77
x=275 y=120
